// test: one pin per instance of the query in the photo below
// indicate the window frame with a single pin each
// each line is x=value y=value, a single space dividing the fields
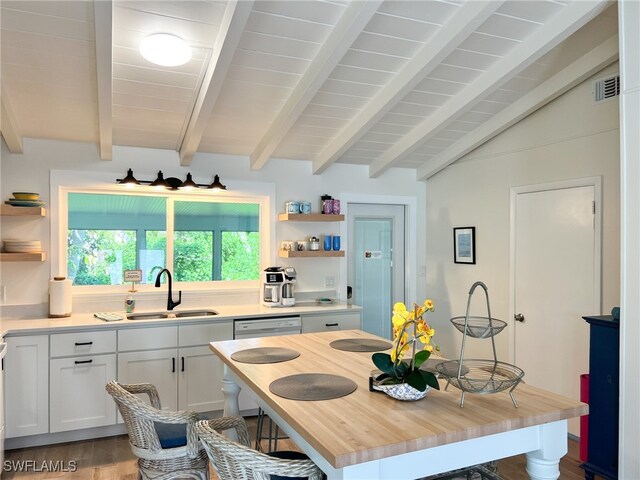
x=64 y=182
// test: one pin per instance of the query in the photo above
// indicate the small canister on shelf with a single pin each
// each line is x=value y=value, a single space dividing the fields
x=335 y=206
x=326 y=204
x=314 y=244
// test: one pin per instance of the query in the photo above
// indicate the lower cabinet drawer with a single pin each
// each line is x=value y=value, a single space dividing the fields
x=78 y=398
x=329 y=322
x=82 y=343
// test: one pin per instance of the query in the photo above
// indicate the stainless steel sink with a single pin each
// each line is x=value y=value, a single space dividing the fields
x=180 y=314
x=195 y=313
x=147 y=316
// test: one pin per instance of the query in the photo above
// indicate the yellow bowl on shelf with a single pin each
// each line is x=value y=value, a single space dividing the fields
x=26 y=195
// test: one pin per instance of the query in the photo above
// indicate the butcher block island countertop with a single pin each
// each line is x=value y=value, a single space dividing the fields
x=364 y=425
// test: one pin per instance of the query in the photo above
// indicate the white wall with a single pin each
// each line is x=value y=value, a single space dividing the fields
x=570 y=138
x=26 y=283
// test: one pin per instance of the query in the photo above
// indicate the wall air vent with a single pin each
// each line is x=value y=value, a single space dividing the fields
x=606 y=88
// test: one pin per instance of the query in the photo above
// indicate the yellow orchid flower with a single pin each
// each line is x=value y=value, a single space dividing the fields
x=401 y=320
x=398 y=320
x=399 y=307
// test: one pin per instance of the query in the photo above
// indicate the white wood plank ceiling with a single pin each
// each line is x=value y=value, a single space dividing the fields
x=383 y=83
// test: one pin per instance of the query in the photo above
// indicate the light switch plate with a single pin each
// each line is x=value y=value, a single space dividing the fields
x=329 y=281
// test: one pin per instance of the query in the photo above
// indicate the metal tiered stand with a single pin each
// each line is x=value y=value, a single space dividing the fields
x=480 y=376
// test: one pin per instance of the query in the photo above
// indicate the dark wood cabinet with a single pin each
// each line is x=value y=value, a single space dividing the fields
x=604 y=348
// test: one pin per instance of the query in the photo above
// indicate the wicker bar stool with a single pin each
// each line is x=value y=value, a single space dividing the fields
x=238 y=461
x=165 y=442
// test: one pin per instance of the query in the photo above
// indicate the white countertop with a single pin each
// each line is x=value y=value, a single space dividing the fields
x=81 y=321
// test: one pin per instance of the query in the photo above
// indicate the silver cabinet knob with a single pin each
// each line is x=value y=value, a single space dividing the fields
x=518 y=317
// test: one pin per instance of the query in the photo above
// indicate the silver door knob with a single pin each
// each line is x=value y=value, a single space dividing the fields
x=518 y=317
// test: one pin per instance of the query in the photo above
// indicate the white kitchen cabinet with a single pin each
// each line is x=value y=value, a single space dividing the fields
x=27 y=385
x=200 y=380
x=187 y=376
x=201 y=372
x=158 y=367
x=78 y=397
x=326 y=322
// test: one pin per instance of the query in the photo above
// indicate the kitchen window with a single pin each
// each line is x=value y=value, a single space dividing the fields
x=200 y=239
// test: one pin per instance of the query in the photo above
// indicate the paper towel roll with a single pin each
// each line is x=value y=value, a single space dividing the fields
x=59 y=297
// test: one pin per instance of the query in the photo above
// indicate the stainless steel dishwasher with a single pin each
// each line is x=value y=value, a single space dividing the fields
x=257 y=327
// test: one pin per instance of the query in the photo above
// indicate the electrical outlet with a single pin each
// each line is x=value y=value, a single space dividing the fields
x=329 y=281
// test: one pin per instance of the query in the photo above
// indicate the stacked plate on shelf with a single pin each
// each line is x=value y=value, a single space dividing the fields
x=25 y=199
x=22 y=246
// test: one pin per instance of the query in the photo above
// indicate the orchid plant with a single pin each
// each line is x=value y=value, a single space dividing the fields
x=409 y=329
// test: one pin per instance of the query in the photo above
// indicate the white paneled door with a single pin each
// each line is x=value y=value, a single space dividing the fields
x=556 y=283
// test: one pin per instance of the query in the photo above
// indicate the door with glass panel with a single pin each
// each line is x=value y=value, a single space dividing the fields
x=376 y=262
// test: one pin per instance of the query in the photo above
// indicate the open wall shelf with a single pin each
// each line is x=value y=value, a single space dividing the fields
x=23 y=257
x=309 y=217
x=11 y=211
x=310 y=253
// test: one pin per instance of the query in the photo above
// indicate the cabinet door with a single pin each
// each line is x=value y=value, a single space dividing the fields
x=200 y=380
x=27 y=385
x=158 y=367
x=331 y=321
x=78 y=396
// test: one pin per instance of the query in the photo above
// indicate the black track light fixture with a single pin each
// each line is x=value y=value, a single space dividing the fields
x=171 y=183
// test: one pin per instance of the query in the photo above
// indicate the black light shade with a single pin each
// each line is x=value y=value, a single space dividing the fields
x=160 y=181
x=173 y=183
x=216 y=185
x=189 y=183
x=129 y=179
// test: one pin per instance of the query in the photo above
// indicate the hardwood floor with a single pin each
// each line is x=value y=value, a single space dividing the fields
x=111 y=459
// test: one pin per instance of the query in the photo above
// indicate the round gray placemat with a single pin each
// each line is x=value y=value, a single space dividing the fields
x=265 y=355
x=312 y=386
x=360 y=345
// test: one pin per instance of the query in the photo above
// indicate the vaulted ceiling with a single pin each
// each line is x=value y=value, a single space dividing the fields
x=384 y=83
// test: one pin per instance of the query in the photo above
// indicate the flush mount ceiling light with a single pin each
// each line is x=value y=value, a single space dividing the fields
x=165 y=49
x=171 y=183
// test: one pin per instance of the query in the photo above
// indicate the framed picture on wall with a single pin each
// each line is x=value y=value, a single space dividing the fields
x=464 y=245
